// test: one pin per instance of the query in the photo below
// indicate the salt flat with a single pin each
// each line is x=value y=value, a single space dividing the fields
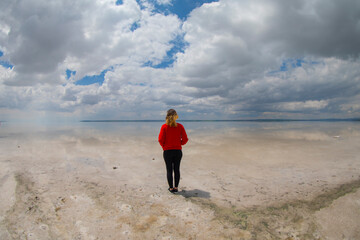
x=258 y=181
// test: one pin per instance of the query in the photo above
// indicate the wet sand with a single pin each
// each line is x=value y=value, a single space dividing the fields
x=292 y=182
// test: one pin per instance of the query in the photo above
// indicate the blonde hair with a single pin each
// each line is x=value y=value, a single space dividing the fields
x=171 y=117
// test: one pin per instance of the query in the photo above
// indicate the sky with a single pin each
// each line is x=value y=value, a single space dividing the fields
x=134 y=59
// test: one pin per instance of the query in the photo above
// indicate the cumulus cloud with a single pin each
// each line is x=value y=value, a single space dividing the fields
x=46 y=38
x=301 y=106
x=236 y=50
x=238 y=59
x=316 y=28
x=163 y=2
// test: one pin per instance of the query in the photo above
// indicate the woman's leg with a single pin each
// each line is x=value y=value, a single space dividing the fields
x=177 y=160
x=169 y=167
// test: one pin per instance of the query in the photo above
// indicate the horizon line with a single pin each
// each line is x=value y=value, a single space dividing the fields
x=238 y=120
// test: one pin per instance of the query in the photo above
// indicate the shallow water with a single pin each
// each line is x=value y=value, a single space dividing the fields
x=200 y=128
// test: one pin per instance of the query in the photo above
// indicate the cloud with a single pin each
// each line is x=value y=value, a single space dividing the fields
x=235 y=59
x=302 y=106
x=236 y=49
x=163 y=2
x=90 y=99
x=47 y=38
x=316 y=28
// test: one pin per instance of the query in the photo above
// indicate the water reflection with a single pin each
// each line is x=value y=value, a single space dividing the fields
x=89 y=130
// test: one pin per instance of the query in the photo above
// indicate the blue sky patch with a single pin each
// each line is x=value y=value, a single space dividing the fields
x=88 y=80
x=137 y=84
x=134 y=26
x=181 y=8
x=6 y=64
x=179 y=45
x=289 y=64
x=69 y=73
x=119 y=2
x=299 y=62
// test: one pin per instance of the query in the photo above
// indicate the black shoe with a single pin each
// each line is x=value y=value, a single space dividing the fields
x=176 y=190
x=172 y=190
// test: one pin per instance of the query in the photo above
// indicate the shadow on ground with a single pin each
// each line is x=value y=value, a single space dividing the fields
x=194 y=193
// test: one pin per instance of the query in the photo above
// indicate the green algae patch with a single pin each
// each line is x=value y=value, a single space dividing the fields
x=291 y=220
x=325 y=200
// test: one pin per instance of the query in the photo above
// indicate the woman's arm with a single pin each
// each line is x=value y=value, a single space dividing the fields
x=161 y=138
x=184 y=138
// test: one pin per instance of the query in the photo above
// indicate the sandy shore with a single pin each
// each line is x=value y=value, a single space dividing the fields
x=276 y=184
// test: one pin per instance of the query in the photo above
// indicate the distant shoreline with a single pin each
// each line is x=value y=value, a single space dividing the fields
x=249 y=120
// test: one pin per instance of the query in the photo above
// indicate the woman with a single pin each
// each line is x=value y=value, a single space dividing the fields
x=172 y=136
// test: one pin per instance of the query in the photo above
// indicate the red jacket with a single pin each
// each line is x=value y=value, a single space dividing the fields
x=171 y=138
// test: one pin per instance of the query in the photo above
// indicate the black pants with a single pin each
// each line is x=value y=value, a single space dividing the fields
x=172 y=160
